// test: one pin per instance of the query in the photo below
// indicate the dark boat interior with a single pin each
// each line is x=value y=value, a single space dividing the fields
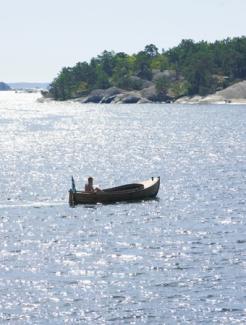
x=124 y=188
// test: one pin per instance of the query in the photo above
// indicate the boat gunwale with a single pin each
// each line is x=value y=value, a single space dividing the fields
x=114 y=191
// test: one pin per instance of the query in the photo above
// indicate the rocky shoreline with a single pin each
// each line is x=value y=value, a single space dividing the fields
x=235 y=94
x=145 y=93
x=116 y=95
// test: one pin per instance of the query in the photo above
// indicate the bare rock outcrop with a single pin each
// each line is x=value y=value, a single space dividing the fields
x=170 y=75
x=102 y=95
x=233 y=94
x=139 y=83
x=236 y=91
x=153 y=95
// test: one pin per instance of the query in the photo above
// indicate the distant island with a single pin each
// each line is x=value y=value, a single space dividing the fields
x=4 y=86
x=28 y=85
x=187 y=70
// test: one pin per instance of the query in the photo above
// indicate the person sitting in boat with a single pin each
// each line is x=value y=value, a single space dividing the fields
x=89 y=187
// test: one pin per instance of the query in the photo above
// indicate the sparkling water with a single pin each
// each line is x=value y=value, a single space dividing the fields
x=179 y=259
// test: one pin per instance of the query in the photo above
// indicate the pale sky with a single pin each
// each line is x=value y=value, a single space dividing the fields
x=38 y=38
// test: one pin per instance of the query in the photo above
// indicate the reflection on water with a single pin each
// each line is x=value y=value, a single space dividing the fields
x=178 y=259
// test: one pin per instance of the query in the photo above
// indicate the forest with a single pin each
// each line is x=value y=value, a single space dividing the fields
x=191 y=68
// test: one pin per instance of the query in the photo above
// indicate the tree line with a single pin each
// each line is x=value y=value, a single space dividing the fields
x=199 y=67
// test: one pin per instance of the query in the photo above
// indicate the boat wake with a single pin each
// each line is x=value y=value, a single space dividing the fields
x=32 y=204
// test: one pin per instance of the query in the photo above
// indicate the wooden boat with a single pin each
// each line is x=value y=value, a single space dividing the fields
x=130 y=192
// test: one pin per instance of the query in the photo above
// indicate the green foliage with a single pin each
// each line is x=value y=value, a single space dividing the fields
x=160 y=62
x=107 y=62
x=162 y=85
x=179 y=88
x=142 y=65
x=102 y=78
x=201 y=68
x=200 y=62
x=122 y=70
x=151 y=50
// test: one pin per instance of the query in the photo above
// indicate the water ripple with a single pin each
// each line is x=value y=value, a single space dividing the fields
x=179 y=259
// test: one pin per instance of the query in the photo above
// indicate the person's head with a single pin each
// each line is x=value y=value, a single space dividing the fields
x=90 y=180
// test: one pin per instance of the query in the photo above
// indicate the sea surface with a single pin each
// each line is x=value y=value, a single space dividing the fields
x=179 y=259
